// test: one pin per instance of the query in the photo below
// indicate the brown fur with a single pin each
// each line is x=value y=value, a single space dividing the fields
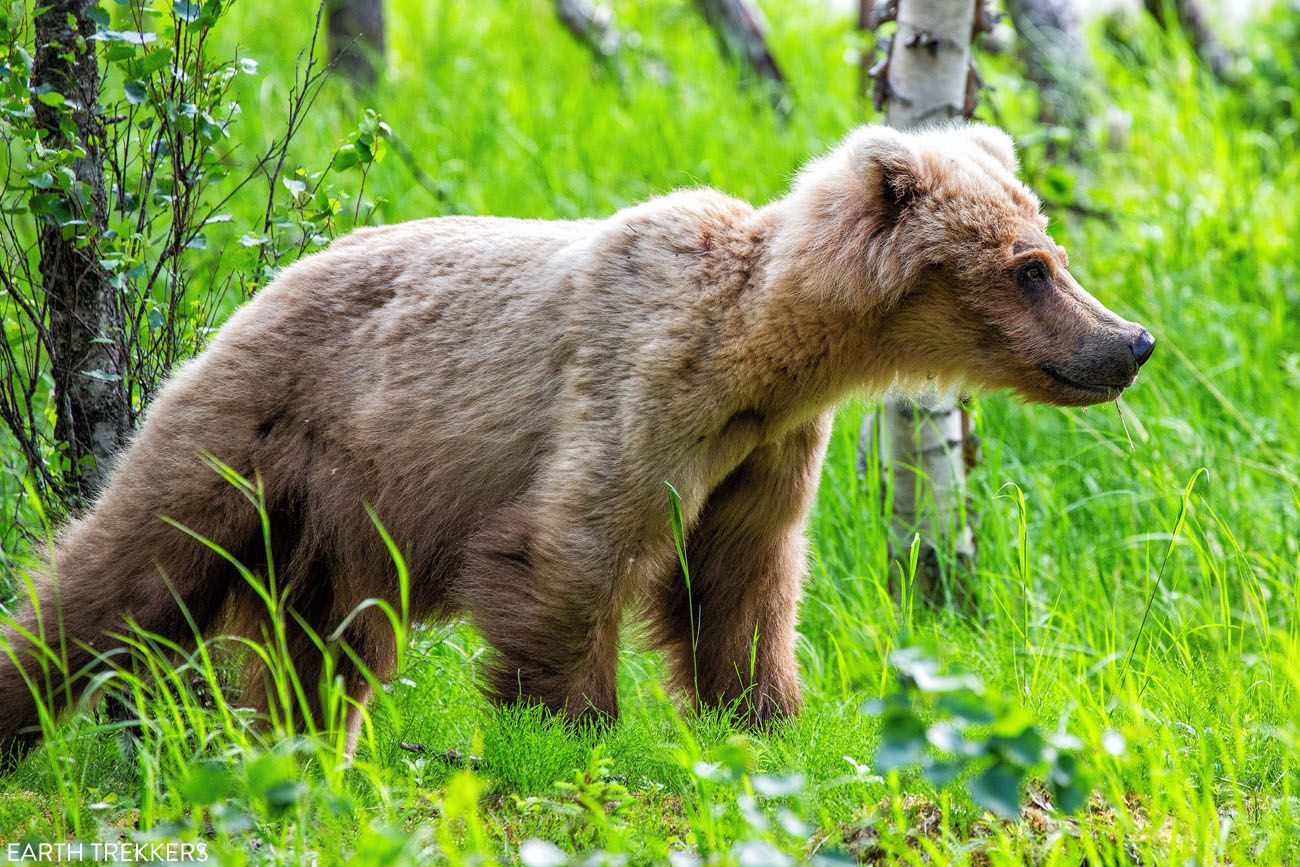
x=510 y=397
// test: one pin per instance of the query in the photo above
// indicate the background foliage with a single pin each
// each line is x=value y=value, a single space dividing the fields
x=1126 y=602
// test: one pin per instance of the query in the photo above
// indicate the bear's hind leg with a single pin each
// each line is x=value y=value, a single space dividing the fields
x=545 y=598
x=120 y=571
x=332 y=677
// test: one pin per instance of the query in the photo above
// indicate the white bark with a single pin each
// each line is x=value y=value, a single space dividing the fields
x=923 y=443
x=929 y=61
x=927 y=77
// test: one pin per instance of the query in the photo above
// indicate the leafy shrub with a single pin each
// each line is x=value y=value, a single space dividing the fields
x=951 y=727
x=185 y=225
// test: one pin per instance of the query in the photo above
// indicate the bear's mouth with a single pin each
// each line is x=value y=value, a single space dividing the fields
x=1102 y=391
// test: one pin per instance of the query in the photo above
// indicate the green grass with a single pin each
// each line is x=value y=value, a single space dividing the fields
x=507 y=115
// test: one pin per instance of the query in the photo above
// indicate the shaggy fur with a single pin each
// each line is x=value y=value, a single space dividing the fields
x=510 y=397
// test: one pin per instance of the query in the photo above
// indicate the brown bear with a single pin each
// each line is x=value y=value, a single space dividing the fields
x=510 y=397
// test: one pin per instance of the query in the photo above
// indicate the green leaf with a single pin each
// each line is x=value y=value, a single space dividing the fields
x=269 y=770
x=1068 y=783
x=967 y=707
x=1071 y=797
x=185 y=10
x=915 y=665
x=284 y=795
x=997 y=790
x=339 y=805
x=207 y=783
x=232 y=819
x=946 y=737
x=52 y=98
x=902 y=741
x=63 y=214
x=734 y=755
x=941 y=773
x=154 y=61
x=1025 y=748
x=135 y=92
x=132 y=37
x=118 y=51
x=345 y=158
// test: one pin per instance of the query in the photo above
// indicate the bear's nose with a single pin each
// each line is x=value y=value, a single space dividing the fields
x=1143 y=345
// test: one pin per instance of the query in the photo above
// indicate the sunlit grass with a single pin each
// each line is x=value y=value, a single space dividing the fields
x=1194 y=662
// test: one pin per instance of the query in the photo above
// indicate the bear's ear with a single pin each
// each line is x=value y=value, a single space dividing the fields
x=889 y=166
x=995 y=143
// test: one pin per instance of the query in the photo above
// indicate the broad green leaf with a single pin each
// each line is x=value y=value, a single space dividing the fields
x=997 y=789
x=902 y=741
x=968 y=707
x=946 y=737
x=941 y=773
x=207 y=783
x=283 y=795
x=1025 y=748
x=1068 y=783
x=185 y=10
x=154 y=61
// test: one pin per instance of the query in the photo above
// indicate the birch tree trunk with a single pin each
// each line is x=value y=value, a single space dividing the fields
x=591 y=25
x=356 y=38
x=1192 y=20
x=92 y=418
x=1050 y=40
x=927 y=79
x=741 y=29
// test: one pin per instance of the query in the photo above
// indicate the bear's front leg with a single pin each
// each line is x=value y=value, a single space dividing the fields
x=731 y=636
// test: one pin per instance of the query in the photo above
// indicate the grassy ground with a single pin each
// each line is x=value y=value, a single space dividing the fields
x=1192 y=743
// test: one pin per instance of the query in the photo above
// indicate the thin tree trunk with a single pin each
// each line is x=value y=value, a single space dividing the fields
x=91 y=409
x=929 y=62
x=1191 y=18
x=591 y=25
x=1050 y=40
x=741 y=30
x=356 y=38
x=928 y=80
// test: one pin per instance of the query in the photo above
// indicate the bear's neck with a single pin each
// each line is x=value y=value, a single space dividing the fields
x=800 y=341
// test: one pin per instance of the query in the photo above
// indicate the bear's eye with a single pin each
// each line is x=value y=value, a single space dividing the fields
x=1031 y=274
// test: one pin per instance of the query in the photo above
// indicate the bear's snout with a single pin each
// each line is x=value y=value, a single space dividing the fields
x=1102 y=368
x=1143 y=345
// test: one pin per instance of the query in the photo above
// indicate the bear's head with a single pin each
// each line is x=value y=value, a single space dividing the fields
x=936 y=239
